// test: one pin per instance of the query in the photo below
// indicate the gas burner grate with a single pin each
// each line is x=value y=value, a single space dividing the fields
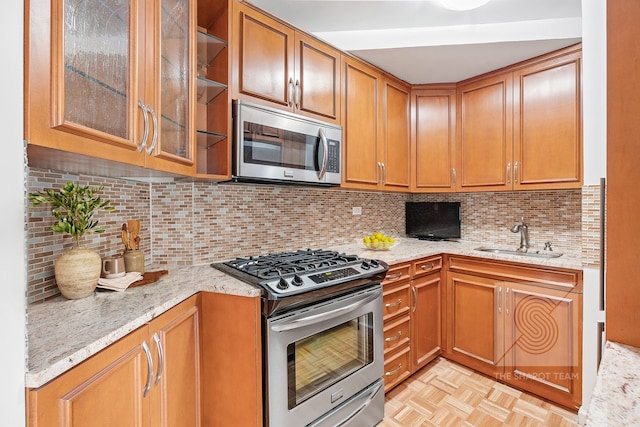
x=281 y=264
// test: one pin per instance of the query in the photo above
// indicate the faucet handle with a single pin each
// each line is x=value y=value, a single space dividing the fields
x=547 y=246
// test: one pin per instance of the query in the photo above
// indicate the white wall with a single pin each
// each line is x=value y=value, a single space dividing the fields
x=594 y=89
x=594 y=109
x=12 y=259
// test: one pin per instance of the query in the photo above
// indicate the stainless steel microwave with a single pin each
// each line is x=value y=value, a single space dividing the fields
x=275 y=146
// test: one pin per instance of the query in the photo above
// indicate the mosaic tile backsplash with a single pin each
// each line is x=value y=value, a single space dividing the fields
x=189 y=223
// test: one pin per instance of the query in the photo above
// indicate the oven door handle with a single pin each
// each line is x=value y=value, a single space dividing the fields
x=321 y=317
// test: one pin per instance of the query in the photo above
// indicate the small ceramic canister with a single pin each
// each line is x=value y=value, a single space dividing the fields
x=134 y=261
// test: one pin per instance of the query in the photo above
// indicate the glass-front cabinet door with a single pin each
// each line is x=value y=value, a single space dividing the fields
x=174 y=77
x=96 y=90
x=112 y=79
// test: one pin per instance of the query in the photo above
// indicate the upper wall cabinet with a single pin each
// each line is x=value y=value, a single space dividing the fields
x=113 y=80
x=433 y=162
x=484 y=133
x=547 y=124
x=522 y=128
x=376 y=129
x=284 y=68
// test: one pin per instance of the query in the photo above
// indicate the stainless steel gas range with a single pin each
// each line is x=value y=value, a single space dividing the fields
x=322 y=336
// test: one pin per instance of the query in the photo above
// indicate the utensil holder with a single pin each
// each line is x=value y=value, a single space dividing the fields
x=134 y=261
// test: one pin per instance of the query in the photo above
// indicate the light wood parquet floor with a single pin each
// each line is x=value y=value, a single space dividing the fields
x=444 y=393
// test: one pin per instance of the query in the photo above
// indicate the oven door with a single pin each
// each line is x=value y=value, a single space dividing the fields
x=322 y=357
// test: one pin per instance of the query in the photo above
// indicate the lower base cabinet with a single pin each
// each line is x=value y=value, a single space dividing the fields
x=518 y=324
x=148 y=378
x=198 y=364
x=412 y=318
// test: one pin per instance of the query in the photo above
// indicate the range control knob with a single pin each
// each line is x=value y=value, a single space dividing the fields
x=373 y=263
x=297 y=280
x=365 y=265
x=282 y=284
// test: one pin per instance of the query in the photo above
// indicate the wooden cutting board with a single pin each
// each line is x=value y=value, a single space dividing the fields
x=149 y=277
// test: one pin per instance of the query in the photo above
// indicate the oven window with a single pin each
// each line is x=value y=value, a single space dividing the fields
x=266 y=145
x=321 y=360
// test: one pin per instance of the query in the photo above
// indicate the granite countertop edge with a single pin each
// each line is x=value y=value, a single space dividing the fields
x=62 y=333
x=616 y=395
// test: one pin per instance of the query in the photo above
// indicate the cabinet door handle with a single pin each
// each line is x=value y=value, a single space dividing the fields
x=384 y=173
x=506 y=302
x=147 y=352
x=156 y=339
x=428 y=266
x=297 y=92
x=515 y=172
x=394 y=276
x=509 y=173
x=455 y=177
x=145 y=117
x=154 y=119
x=395 y=371
x=393 y=304
x=290 y=94
x=379 y=173
x=500 y=299
x=394 y=338
x=415 y=299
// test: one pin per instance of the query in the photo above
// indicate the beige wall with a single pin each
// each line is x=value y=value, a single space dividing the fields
x=197 y=222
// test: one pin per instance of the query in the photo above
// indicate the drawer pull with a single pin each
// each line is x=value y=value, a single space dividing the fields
x=395 y=338
x=394 y=276
x=395 y=371
x=430 y=266
x=393 y=304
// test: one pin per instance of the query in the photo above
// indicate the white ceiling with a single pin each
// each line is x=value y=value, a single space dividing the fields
x=422 y=42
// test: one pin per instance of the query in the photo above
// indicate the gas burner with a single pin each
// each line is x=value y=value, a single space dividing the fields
x=294 y=273
x=281 y=264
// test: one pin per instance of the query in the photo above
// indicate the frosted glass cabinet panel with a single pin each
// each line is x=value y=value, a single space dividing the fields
x=114 y=80
x=97 y=65
x=176 y=94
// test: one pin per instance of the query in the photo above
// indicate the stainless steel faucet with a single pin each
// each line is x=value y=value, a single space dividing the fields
x=523 y=228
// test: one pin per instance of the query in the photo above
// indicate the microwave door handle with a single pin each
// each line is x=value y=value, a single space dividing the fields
x=325 y=155
x=321 y=317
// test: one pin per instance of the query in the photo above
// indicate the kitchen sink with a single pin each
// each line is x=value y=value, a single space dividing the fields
x=536 y=254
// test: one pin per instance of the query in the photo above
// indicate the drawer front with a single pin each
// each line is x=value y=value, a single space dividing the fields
x=396 y=300
x=397 y=273
x=397 y=369
x=426 y=266
x=396 y=334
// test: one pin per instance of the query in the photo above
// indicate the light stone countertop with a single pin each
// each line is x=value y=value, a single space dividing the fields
x=616 y=396
x=62 y=333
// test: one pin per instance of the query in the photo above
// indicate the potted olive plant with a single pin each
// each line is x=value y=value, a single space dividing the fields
x=77 y=271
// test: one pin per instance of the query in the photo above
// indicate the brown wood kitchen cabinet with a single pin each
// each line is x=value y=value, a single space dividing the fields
x=520 y=324
x=426 y=313
x=118 y=387
x=279 y=66
x=485 y=133
x=433 y=161
x=110 y=81
x=412 y=317
x=231 y=361
x=520 y=128
x=376 y=129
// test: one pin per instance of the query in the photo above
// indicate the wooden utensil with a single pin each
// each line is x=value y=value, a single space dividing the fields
x=125 y=237
x=134 y=229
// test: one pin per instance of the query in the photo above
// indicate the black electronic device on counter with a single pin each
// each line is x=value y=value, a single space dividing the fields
x=433 y=220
